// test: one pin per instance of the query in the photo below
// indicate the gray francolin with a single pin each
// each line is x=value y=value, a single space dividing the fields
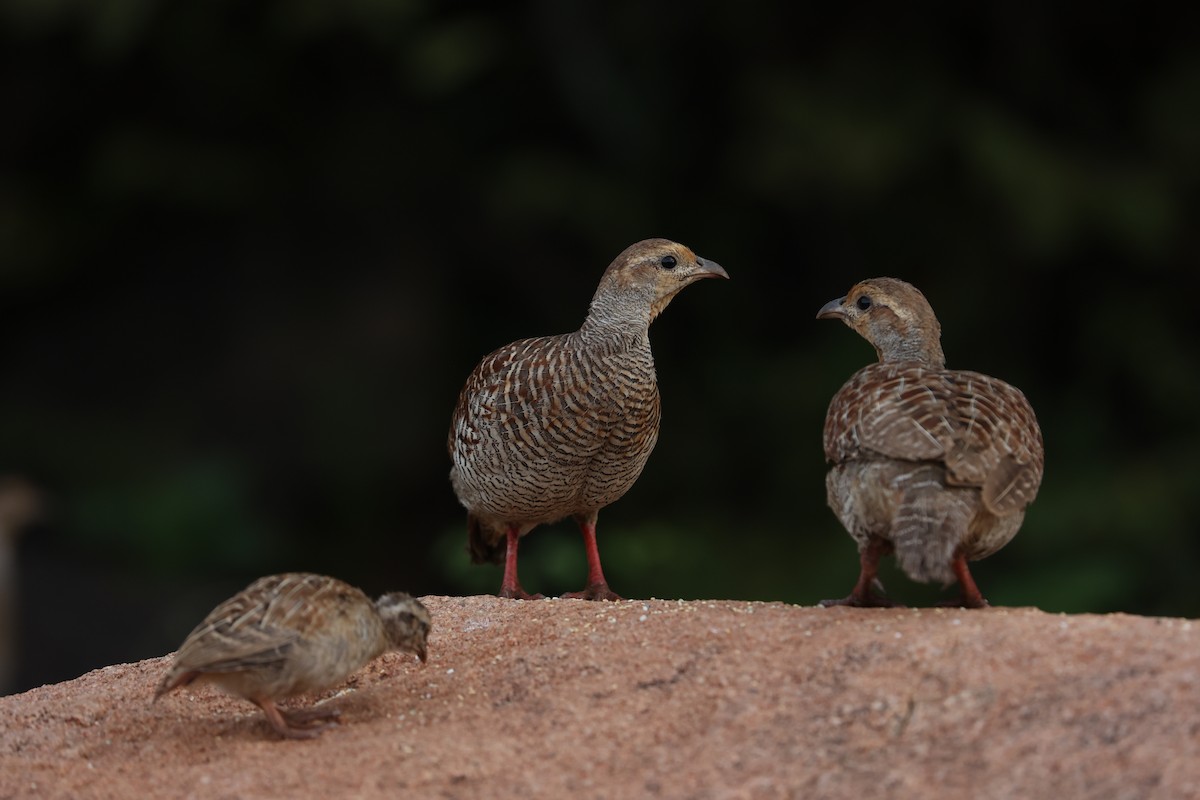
x=289 y=634
x=561 y=426
x=935 y=465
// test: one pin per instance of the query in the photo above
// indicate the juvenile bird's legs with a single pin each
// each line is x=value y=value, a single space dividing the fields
x=304 y=716
x=283 y=722
x=511 y=587
x=597 y=587
x=864 y=595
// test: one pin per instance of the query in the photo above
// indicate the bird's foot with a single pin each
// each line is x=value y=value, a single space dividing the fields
x=868 y=589
x=305 y=732
x=966 y=601
x=862 y=600
x=970 y=596
x=595 y=591
x=517 y=593
x=284 y=724
x=309 y=717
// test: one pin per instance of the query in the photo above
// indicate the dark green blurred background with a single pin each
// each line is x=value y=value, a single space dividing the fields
x=249 y=251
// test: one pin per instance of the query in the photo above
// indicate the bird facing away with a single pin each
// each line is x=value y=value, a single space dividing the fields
x=935 y=465
x=561 y=426
x=284 y=635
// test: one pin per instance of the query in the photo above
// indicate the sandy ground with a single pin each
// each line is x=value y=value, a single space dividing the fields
x=565 y=698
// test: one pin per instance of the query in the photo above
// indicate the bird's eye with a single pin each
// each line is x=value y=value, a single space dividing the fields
x=863 y=303
x=668 y=262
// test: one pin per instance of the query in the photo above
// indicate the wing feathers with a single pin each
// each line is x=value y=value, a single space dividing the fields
x=980 y=428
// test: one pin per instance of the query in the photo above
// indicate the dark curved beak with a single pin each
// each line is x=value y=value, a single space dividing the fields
x=833 y=310
x=422 y=652
x=710 y=269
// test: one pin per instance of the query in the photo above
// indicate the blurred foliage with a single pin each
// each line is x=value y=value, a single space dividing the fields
x=250 y=250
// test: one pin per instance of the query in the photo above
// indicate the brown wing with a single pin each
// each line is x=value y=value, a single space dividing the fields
x=256 y=628
x=507 y=390
x=982 y=429
x=1001 y=449
x=897 y=411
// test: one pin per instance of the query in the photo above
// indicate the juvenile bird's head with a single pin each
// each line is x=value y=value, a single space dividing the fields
x=643 y=279
x=406 y=621
x=894 y=317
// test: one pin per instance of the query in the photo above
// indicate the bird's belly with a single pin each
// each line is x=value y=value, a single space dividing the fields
x=533 y=490
x=273 y=681
x=612 y=473
x=535 y=485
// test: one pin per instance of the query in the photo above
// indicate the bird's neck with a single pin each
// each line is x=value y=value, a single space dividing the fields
x=924 y=351
x=618 y=321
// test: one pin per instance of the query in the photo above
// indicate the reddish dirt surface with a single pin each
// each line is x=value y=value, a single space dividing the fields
x=722 y=699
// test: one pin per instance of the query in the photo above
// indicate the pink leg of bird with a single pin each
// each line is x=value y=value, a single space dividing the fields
x=510 y=587
x=307 y=716
x=863 y=595
x=597 y=587
x=281 y=725
x=971 y=597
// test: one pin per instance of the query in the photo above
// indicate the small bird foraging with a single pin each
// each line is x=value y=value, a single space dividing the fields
x=935 y=465
x=289 y=634
x=561 y=426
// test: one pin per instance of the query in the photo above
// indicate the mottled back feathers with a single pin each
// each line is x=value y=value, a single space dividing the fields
x=981 y=429
x=291 y=632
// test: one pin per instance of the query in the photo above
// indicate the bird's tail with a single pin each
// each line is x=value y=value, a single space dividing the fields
x=927 y=529
x=482 y=543
x=173 y=680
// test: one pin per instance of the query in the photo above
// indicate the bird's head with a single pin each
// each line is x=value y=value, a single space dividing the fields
x=406 y=622
x=644 y=278
x=894 y=317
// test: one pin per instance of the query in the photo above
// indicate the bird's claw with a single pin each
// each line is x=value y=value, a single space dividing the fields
x=596 y=591
x=517 y=593
x=965 y=602
x=309 y=717
x=869 y=600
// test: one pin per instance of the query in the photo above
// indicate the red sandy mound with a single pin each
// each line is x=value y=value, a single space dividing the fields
x=565 y=698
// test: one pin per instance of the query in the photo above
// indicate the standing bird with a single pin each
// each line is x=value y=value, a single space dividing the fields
x=933 y=464
x=561 y=426
x=285 y=635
